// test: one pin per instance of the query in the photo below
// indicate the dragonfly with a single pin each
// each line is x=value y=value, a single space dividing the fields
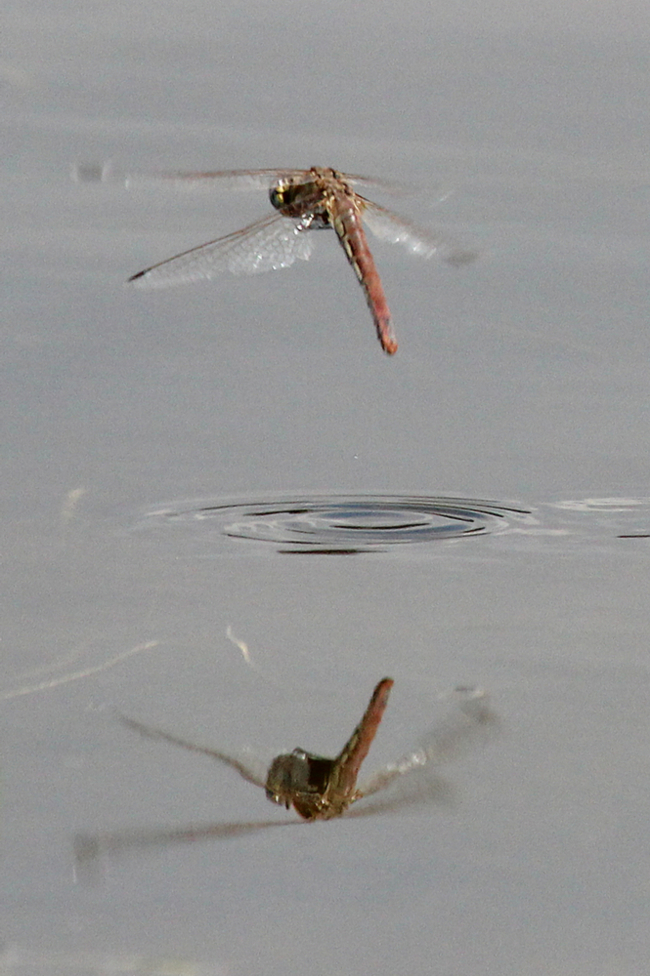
x=317 y=787
x=303 y=200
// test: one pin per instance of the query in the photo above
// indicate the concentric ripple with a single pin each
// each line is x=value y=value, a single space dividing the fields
x=343 y=524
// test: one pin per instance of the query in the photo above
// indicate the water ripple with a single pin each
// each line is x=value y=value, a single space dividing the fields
x=343 y=524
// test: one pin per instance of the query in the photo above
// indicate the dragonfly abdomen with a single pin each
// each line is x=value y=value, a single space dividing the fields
x=351 y=235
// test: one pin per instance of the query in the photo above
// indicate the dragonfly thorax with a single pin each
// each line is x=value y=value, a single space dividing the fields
x=297 y=774
x=304 y=200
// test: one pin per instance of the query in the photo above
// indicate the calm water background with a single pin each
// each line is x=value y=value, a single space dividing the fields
x=522 y=378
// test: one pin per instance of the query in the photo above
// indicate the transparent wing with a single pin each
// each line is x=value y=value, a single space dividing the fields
x=227 y=179
x=250 y=772
x=260 y=179
x=472 y=722
x=88 y=848
x=272 y=243
x=413 y=792
x=389 y=226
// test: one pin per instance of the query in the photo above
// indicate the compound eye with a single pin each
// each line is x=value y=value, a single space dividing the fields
x=277 y=196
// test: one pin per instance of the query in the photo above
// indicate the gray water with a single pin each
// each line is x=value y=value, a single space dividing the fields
x=519 y=394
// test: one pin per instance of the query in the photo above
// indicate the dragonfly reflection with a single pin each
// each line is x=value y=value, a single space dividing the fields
x=317 y=787
x=304 y=200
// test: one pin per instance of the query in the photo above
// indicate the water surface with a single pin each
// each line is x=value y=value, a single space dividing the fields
x=482 y=498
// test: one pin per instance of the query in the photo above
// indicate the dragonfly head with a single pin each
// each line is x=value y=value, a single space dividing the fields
x=278 y=194
x=298 y=774
x=279 y=780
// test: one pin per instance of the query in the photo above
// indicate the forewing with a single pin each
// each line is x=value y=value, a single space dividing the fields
x=472 y=722
x=264 y=179
x=272 y=243
x=389 y=226
x=90 y=848
x=413 y=791
x=250 y=772
x=227 y=179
